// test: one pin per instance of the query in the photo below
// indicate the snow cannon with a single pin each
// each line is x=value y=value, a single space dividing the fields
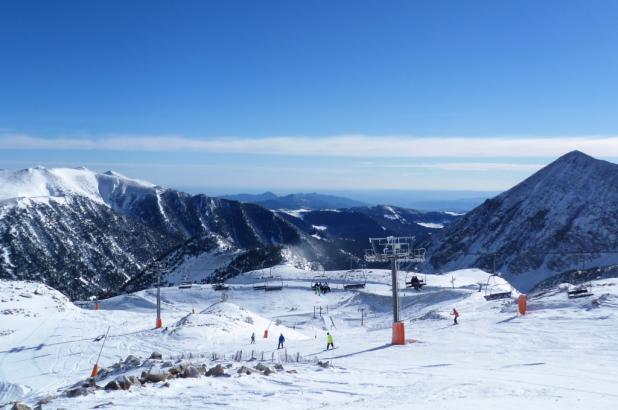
x=522 y=304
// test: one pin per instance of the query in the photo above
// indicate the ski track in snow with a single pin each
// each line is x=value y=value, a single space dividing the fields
x=562 y=355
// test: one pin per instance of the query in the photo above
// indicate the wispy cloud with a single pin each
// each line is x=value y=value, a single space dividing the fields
x=471 y=166
x=342 y=145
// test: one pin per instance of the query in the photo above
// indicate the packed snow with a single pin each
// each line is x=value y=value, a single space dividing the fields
x=561 y=355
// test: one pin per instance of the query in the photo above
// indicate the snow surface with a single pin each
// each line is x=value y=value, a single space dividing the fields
x=562 y=355
x=45 y=183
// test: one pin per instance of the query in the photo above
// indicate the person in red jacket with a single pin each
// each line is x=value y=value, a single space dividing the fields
x=455 y=315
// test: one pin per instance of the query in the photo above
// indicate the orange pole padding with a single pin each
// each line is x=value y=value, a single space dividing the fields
x=266 y=334
x=159 y=324
x=96 y=305
x=95 y=370
x=522 y=303
x=399 y=334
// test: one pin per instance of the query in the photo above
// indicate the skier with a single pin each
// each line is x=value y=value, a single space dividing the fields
x=455 y=315
x=281 y=340
x=329 y=341
x=252 y=338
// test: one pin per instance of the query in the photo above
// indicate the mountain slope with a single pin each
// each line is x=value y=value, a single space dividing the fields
x=535 y=227
x=312 y=201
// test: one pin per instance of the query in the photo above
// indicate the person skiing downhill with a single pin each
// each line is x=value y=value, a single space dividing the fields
x=252 y=338
x=455 y=315
x=329 y=341
x=281 y=340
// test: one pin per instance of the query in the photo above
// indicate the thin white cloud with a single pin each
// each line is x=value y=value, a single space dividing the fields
x=472 y=166
x=343 y=145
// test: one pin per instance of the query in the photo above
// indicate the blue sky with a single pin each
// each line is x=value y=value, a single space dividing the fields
x=308 y=95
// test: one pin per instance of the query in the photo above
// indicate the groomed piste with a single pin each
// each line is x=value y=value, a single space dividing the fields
x=560 y=355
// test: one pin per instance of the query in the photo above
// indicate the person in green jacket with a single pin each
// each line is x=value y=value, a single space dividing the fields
x=329 y=341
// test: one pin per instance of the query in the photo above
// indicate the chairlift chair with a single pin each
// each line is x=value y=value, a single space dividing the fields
x=220 y=286
x=321 y=281
x=274 y=283
x=413 y=279
x=579 y=291
x=352 y=281
x=492 y=291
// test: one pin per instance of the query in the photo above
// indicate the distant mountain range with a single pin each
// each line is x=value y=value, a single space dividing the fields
x=540 y=227
x=87 y=234
x=296 y=201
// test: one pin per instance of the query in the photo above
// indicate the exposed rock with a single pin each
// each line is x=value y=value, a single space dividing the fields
x=132 y=360
x=292 y=371
x=216 y=371
x=123 y=382
x=278 y=366
x=247 y=370
x=156 y=356
x=135 y=381
x=113 y=385
x=260 y=367
x=79 y=391
x=267 y=371
x=167 y=364
x=324 y=364
x=20 y=406
x=191 y=372
x=156 y=377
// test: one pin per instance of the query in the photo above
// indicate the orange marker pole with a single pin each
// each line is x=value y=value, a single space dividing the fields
x=522 y=304
x=95 y=369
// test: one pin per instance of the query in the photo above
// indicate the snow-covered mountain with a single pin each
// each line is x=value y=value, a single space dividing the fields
x=536 y=227
x=88 y=233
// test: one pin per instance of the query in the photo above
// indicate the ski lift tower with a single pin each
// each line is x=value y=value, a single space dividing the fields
x=395 y=249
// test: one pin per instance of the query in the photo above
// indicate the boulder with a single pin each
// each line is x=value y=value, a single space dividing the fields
x=78 y=391
x=123 y=382
x=175 y=370
x=267 y=371
x=247 y=370
x=135 y=381
x=20 y=406
x=292 y=371
x=156 y=377
x=156 y=356
x=216 y=371
x=191 y=372
x=113 y=385
x=260 y=367
x=167 y=364
x=278 y=366
x=132 y=360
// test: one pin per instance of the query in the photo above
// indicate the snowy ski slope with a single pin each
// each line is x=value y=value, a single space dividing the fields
x=562 y=355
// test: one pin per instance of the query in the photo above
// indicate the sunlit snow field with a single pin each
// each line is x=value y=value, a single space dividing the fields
x=562 y=355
